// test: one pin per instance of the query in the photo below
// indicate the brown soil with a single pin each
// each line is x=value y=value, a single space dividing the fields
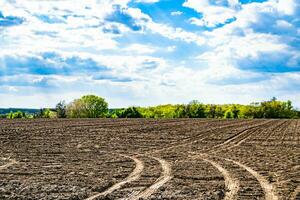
x=149 y=159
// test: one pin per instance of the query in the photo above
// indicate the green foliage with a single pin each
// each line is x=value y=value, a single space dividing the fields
x=195 y=110
x=164 y=111
x=277 y=109
x=61 y=109
x=228 y=114
x=89 y=106
x=28 y=111
x=2 y=116
x=235 y=111
x=45 y=113
x=131 y=112
x=180 y=111
x=17 y=115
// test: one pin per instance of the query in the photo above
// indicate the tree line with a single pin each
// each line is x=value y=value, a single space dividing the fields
x=91 y=106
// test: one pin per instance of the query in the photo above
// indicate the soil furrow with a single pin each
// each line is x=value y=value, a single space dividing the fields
x=240 y=136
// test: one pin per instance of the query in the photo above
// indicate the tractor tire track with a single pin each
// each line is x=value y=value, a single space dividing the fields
x=135 y=175
x=166 y=175
x=10 y=163
x=234 y=141
x=268 y=188
x=231 y=183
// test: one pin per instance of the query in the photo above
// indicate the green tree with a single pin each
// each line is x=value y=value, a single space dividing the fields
x=228 y=114
x=18 y=115
x=131 y=112
x=195 y=110
x=10 y=115
x=219 y=111
x=3 y=116
x=211 y=111
x=235 y=111
x=61 y=109
x=89 y=106
x=180 y=111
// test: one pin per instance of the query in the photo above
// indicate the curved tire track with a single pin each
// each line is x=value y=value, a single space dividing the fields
x=231 y=183
x=166 y=175
x=10 y=163
x=135 y=175
x=265 y=185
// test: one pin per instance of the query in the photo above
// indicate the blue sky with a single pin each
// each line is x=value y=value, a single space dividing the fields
x=149 y=52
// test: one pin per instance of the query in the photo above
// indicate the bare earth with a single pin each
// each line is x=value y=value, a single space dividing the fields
x=137 y=159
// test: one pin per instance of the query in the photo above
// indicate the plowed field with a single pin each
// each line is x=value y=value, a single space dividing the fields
x=137 y=159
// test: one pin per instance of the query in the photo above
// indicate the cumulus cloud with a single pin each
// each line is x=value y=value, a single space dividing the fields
x=214 y=12
x=261 y=39
x=132 y=56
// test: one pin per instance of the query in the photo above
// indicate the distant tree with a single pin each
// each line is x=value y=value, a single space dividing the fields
x=131 y=112
x=2 y=116
x=211 y=111
x=228 y=114
x=61 y=109
x=10 y=115
x=277 y=109
x=89 y=106
x=235 y=112
x=46 y=113
x=75 y=109
x=219 y=112
x=195 y=109
x=114 y=113
x=18 y=115
x=180 y=111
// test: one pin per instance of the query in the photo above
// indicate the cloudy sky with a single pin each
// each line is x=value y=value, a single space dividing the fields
x=148 y=52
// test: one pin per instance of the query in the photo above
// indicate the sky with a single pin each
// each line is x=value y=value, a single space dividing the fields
x=149 y=52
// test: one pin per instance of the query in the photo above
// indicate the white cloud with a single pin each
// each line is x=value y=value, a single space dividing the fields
x=176 y=13
x=81 y=29
x=147 y=1
x=140 y=49
x=171 y=48
x=134 y=72
x=287 y=7
x=213 y=13
x=175 y=33
x=252 y=36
